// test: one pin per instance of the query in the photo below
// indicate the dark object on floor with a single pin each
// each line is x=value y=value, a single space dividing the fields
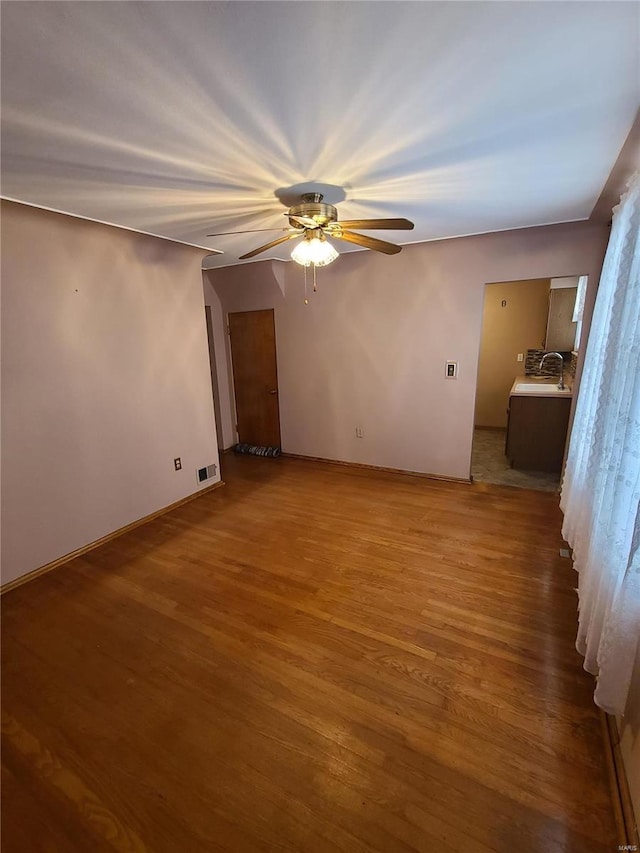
x=254 y=450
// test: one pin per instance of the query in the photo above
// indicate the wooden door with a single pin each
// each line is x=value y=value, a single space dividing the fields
x=255 y=377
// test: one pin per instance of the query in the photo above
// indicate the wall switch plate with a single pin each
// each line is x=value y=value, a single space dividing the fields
x=177 y=463
x=359 y=432
x=451 y=370
x=520 y=356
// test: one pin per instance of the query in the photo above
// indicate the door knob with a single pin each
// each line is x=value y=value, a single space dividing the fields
x=274 y=391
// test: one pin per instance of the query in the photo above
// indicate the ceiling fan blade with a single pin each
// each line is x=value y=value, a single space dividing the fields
x=367 y=242
x=307 y=221
x=369 y=224
x=250 y=231
x=268 y=246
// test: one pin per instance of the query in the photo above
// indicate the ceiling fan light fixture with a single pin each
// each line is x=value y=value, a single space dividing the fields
x=314 y=250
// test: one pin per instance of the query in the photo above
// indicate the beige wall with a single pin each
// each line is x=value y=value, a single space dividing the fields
x=105 y=379
x=223 y=365
x=506 y=331
x=370 y=349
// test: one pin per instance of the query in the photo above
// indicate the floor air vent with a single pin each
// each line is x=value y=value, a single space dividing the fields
x=206 y=473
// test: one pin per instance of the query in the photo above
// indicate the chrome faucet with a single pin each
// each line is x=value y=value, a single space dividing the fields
x=561 y=385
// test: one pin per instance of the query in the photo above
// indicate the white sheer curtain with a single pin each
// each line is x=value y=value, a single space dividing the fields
x=601 y=486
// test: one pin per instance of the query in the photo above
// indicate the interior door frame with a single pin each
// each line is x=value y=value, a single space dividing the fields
x=584 y=339
x=214 y=377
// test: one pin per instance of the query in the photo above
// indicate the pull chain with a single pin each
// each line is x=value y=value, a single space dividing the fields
x=315 y=284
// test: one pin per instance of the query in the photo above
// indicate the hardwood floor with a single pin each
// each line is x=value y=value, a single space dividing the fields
x=311 y=658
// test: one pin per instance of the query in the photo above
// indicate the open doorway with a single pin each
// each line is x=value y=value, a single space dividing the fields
x=527 y=350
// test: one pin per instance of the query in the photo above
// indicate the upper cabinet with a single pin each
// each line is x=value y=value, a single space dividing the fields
x=561 y=328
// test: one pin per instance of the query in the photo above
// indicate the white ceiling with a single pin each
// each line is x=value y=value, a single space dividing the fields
x=184 y=118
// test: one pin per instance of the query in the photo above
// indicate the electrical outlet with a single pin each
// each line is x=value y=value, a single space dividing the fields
x=177 y=463
x=520 y=356
x=359 y=432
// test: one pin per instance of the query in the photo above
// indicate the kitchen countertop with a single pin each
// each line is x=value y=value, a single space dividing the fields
x=544 y=391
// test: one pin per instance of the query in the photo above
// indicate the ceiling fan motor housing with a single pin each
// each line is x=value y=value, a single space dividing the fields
x=313 y=208
x=314 y=221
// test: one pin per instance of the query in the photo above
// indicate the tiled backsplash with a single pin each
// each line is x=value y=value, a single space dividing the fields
x=551 y=367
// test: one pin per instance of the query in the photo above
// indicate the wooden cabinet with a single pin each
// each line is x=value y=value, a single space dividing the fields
x=537 y=432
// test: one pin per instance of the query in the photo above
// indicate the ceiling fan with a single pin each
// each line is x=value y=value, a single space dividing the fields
x=312 y=221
